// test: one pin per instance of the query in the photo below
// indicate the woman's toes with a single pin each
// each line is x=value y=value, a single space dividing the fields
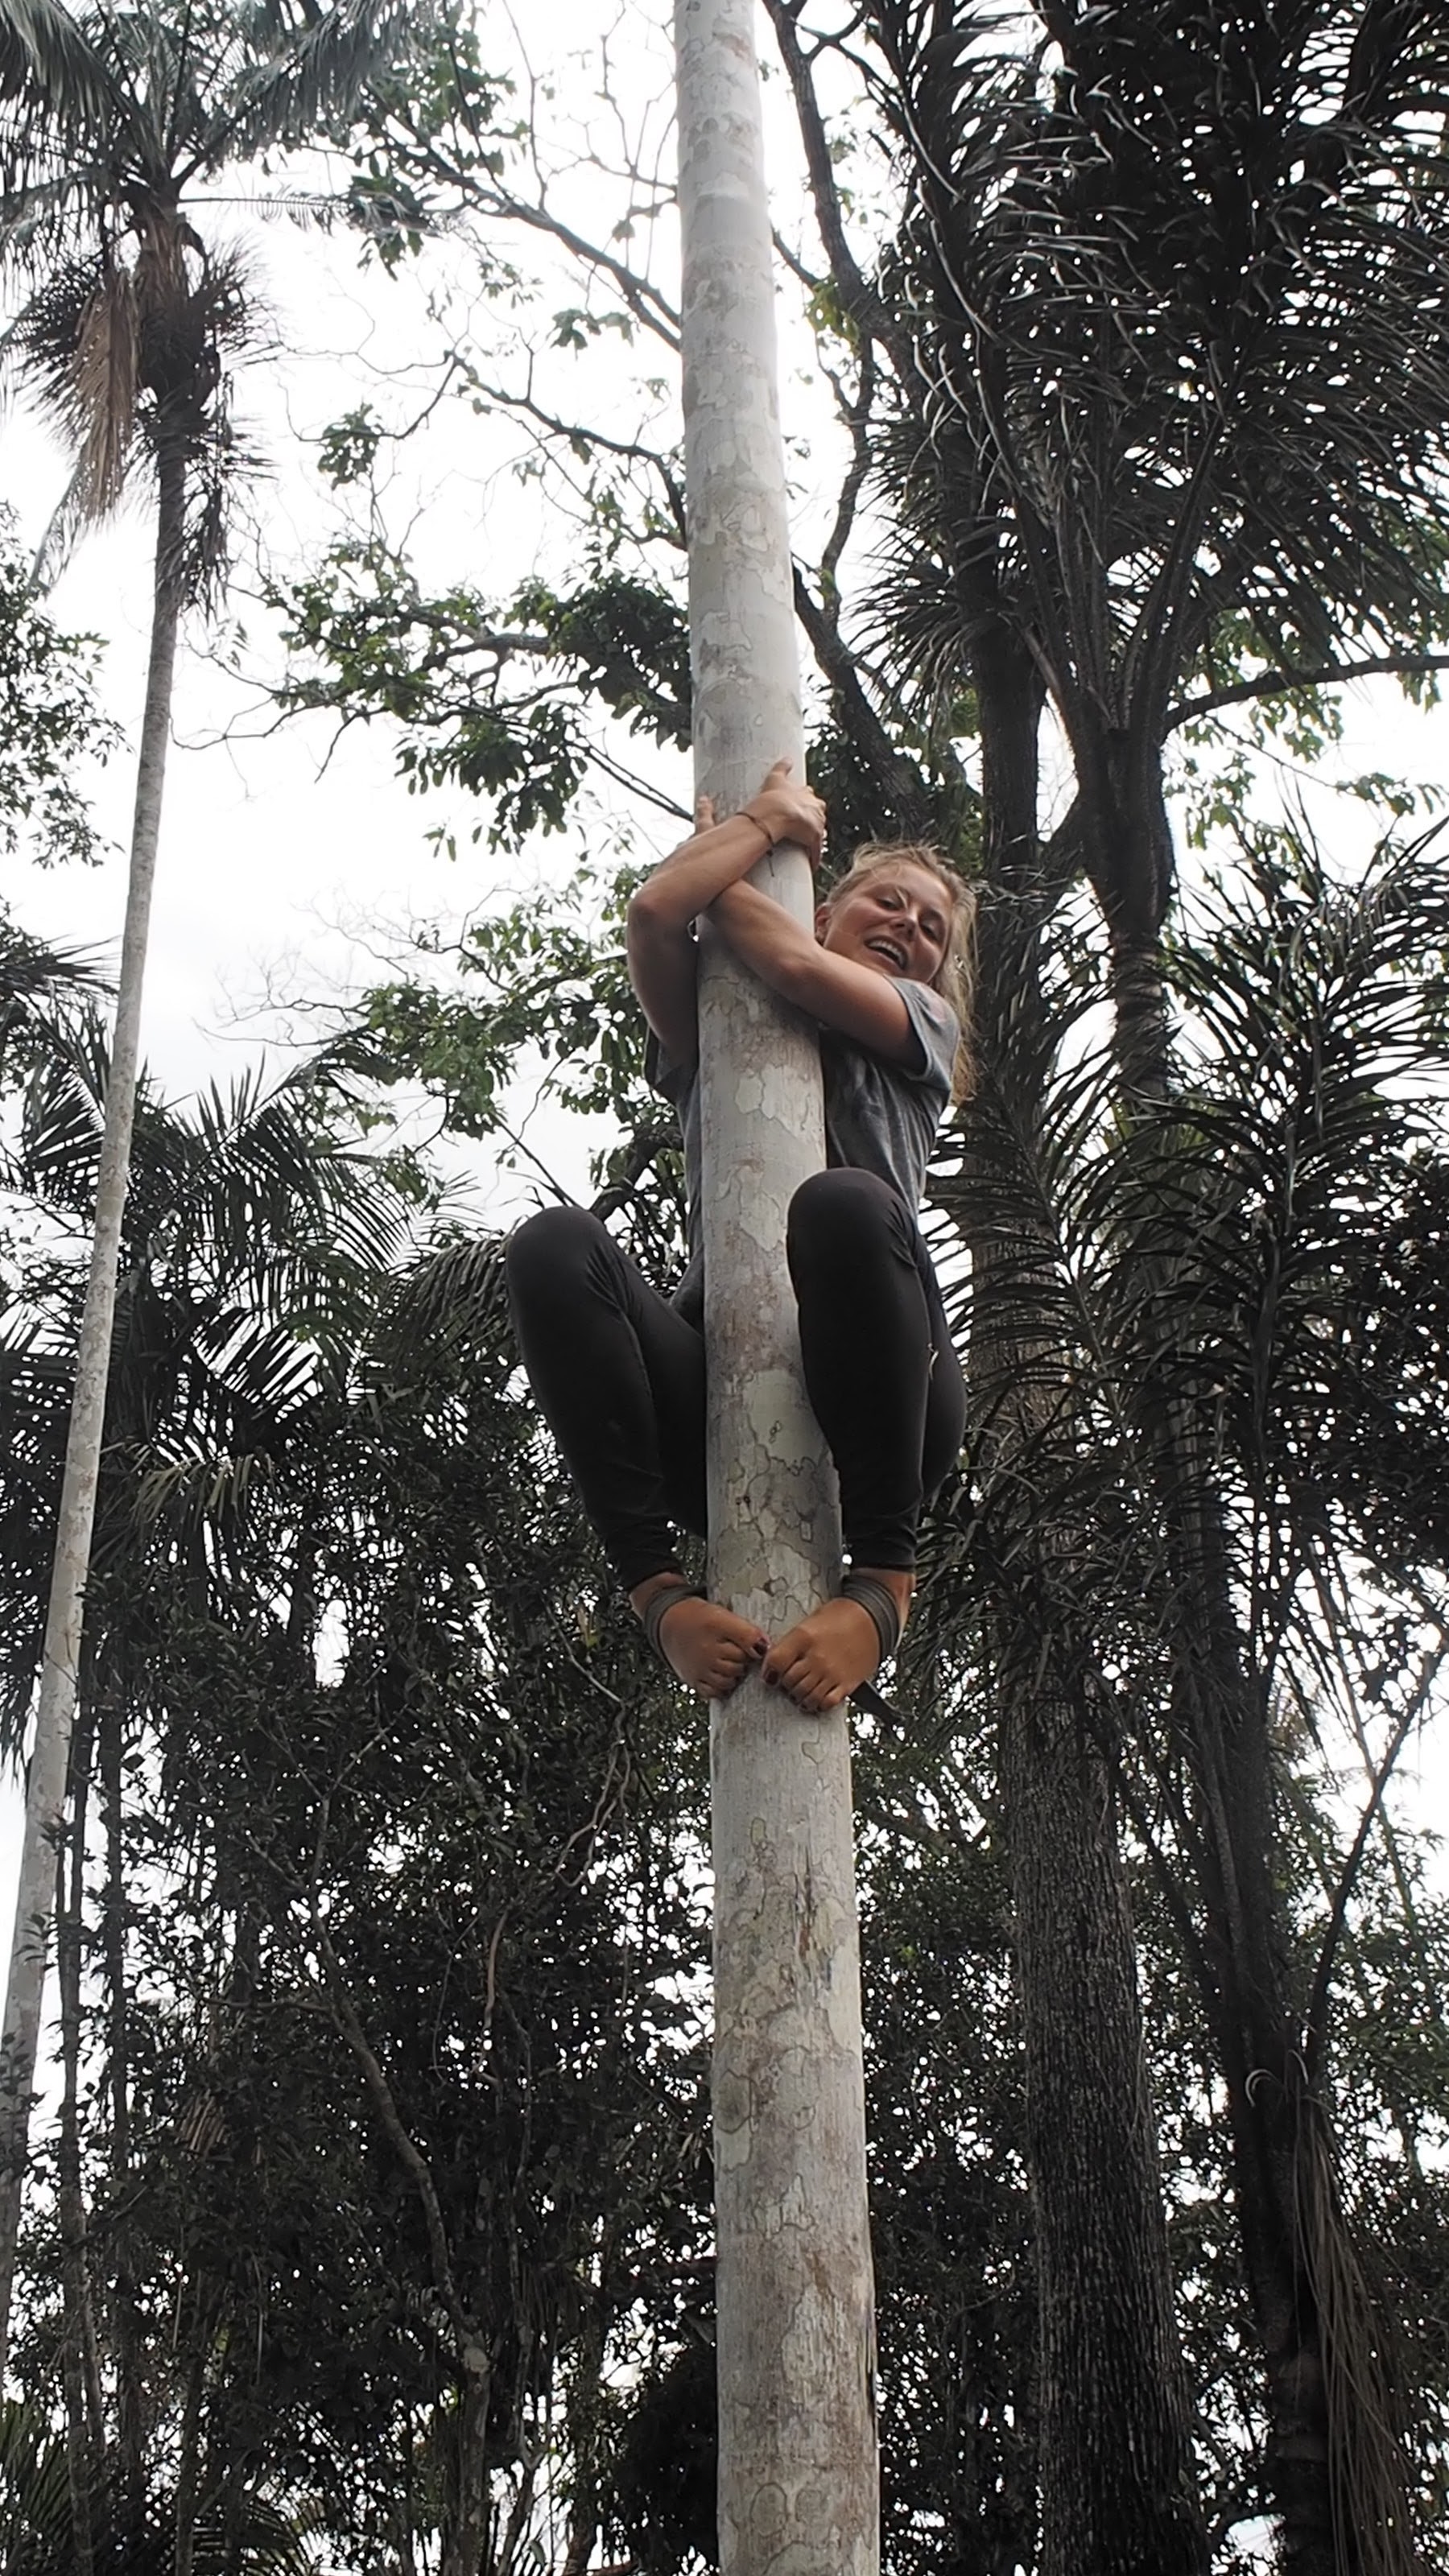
x=820 y=1662
x=707 y=1647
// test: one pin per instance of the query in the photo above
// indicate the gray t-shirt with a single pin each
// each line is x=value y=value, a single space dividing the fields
x=879 y=1117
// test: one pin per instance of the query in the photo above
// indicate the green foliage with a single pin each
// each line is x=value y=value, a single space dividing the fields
x=37 y=2521
x=50 y=724
x=435 y=115
x=348 y=448
x=625 y=642
x=492 y=700
x=1261 y=215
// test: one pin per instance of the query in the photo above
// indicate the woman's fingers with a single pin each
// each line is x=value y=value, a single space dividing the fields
x=703 y=813
x=789 y=810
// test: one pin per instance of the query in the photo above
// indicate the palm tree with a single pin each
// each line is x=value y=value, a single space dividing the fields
x=107 y=119
x=38 y=2523
x=254 y=1239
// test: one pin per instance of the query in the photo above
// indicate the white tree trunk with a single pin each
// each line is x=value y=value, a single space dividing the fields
x=60 y=1666
x=798 y=2487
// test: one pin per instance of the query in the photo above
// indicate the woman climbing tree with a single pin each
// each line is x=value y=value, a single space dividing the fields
x=619 y=1371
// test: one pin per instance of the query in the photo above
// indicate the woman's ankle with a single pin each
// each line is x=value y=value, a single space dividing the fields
x=670 y=1578
x=900 y=1583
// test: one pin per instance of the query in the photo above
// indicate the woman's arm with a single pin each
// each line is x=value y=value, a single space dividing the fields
x=861 y=1003
x=661 y=951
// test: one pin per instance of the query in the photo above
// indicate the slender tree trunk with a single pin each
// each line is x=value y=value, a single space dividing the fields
x=45 y=1795
x=82 y=2410
x=126 y=2338
x=188 y=2466
x=1336 y=2468
x=798 y=2483
x=407 y=2556
x=1116 y=2478
x=465 y=2540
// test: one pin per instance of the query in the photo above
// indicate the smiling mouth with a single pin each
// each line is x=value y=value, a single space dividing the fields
x=888 y=949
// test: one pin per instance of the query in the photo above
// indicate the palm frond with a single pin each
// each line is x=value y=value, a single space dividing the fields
x=1158 y=376
x=314 y=82
x=103 y=389
x=35 y=973
x=455 y=1296
x=79 y=338
x=35 y=2500
x=61 y=534
x=1252 y=1273
x=48 y=60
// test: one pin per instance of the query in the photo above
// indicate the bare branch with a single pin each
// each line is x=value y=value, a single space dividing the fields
x=859 y=298
x=402 y=2142
x=1277 y=684
x=1317 y=2014
x=902 y=782
x=651 y=310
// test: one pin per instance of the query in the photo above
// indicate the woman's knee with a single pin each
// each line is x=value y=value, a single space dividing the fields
x=834 y=1212
x=549 y=1254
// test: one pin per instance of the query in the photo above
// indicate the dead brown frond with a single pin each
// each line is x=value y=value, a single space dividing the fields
x=104 y=390
x=78 y=341
x=131 y=356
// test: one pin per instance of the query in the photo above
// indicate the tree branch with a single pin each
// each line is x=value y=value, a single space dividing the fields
x=651 y=310
x=1277 y=684
x=859 y=298
x=402 y=2142
x=903 y=782
x=572 y=434
x=1317 y=2014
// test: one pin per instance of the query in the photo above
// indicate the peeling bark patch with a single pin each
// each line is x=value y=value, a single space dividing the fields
x=807 y=1915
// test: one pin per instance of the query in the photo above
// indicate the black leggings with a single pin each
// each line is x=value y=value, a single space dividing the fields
x=619 y=1375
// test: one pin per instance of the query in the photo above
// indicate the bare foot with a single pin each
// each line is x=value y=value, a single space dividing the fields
x=705 y=1645
x=836 y=1648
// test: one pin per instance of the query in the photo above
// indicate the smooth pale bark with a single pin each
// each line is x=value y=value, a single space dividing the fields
x=125 y=2321
x=798 y=2487
x=82 y=2431
x=60 y=1668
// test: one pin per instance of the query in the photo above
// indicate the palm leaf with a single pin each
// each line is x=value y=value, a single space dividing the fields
x=79 y=337
x=35 y=2506
x=61 y=535
x=46 y=54
x=313 y=84
x=102 y=394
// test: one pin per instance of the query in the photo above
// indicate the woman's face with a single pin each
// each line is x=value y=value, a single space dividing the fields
x=897 y=920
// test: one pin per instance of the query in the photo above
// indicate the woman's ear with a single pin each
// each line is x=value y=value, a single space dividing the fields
x=822 y=921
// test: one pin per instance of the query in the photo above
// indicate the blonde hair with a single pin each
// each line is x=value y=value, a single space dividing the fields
x=955 y=977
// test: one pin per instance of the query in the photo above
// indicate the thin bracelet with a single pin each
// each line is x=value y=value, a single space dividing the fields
x=759 y=827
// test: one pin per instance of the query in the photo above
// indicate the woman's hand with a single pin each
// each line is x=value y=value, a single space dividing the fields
x=789 y=811
x=662 y=957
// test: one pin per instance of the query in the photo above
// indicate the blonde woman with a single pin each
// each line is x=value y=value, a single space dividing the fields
x=619 y=1371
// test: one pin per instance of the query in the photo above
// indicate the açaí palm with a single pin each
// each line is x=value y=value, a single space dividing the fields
x=126 y=324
